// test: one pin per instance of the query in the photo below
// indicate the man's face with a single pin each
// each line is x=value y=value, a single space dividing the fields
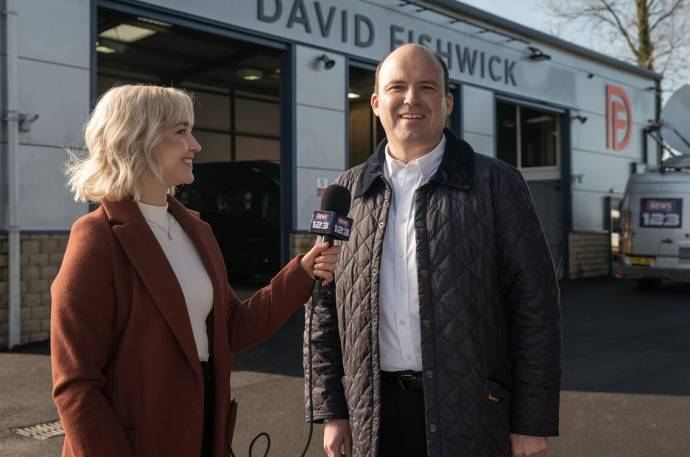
x=411 y=101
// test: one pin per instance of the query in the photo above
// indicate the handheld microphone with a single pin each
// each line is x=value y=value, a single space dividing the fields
x=331 y=223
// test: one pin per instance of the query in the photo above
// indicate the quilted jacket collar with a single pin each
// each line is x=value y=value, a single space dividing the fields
x=456 y=169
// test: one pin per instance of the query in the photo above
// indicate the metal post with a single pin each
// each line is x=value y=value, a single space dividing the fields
x=12 y=119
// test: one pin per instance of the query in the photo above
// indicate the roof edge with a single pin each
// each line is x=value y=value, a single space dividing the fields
x=472 y=12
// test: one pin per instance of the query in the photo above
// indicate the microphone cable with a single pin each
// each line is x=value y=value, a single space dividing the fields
x=310 y=309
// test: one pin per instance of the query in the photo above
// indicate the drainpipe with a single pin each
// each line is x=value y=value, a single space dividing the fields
x=12 y=118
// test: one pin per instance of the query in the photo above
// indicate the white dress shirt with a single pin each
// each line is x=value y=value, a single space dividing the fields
x=400 y=343
x=188 y=268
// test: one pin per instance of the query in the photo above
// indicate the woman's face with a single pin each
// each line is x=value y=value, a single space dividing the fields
x=175 y=154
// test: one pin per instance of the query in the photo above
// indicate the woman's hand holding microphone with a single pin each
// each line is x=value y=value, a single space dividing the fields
x=320 y=261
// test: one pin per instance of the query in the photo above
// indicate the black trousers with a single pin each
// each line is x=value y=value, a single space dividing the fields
x=207 y=438
x=403 y=428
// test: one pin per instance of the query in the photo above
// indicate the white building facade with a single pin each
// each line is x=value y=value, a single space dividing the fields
x=289 y=81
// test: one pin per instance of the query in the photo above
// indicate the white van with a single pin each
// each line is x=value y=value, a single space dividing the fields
x=655 y=228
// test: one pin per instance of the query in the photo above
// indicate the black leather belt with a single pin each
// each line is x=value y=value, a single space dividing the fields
x=407 y=380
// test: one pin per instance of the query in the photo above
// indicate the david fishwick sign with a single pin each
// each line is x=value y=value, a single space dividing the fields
x=328 y=21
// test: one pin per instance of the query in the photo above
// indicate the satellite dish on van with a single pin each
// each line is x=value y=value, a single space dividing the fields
x=681 y=161
x=675 y=120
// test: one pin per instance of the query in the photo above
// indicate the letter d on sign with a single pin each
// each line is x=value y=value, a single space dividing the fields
x=277 y=11
x=619 y=120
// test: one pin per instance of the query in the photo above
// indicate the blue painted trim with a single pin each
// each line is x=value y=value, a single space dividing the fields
x=457 y=121
x=495 y=102
x=512 y=98
x=288 y=159
x=233 y=124
x=346 y=165
x=567 y=192
x=93 y=64
x=93 y=55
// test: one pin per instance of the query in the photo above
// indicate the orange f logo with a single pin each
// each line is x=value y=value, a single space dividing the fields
x=618 y=128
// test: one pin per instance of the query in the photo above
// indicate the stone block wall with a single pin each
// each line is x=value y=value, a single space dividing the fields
x=589 y=254
x=41 y=256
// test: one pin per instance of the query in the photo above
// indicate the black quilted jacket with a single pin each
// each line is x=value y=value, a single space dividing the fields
x=489 y=310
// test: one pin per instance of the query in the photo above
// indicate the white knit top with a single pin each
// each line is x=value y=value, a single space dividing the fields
x=188 y=267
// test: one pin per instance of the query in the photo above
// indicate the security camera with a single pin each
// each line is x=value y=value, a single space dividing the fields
x=328 y=63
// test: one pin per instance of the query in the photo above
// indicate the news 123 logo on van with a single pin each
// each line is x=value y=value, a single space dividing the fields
x=661 y=212
x=619 y=120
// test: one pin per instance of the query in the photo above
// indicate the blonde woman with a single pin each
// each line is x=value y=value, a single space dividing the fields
x=144 y=323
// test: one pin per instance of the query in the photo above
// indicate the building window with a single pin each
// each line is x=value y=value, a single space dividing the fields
x=527 y=138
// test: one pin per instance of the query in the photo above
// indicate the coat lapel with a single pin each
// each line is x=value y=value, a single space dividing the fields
x=152 y=266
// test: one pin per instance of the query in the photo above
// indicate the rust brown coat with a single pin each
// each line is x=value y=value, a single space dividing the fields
x=126 y=374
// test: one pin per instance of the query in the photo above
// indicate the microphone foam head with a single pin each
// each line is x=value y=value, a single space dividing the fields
x=336 y=198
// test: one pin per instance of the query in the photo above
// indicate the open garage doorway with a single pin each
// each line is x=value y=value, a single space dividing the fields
x=237 y=90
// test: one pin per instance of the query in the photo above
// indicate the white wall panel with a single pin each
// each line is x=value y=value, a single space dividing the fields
x=307 y=198
x=3 y=79
x=478 y=109
x=591 y=93
x=591 y=136
x=320 y=128
x=317 y=86
x=588 y=210
x=482 y=144
x=44 y=201
x=55 y=31
x=3 y=186
x=599 y=172
x=320 y=138
x=60 y=96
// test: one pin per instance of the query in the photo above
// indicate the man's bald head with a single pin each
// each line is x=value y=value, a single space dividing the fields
x=443 y=68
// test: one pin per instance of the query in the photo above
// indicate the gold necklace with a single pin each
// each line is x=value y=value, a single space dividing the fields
x=167 y=231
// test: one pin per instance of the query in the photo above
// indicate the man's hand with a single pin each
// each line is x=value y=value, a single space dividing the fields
x=529 y=446
x=337 y=439
x=320 y=261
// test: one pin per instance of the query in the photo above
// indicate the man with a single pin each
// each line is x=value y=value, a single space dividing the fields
x=442 y=335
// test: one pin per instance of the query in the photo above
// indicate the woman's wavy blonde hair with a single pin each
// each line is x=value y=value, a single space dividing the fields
x=127 y=123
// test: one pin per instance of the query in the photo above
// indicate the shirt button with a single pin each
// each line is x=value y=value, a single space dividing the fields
x=402 y=322
x=426 y=323
x=409 y=356
x=432 y=428
x=429 y=374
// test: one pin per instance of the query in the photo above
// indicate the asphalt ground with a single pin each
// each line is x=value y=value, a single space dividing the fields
x=626 y=380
